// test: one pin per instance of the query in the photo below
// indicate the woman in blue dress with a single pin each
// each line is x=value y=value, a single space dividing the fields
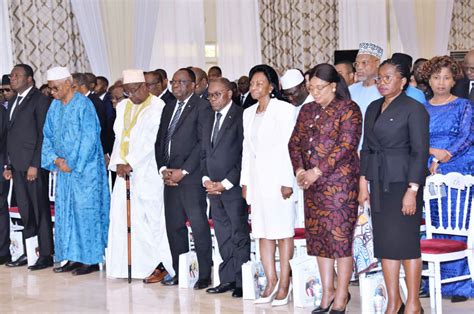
x=451 y=149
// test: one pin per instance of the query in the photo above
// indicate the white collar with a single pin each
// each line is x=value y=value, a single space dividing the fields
x=25 y=92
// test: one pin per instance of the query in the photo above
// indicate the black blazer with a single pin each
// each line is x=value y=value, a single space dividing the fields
x=248 y=102
x=168 y=97
x=102 y=115
x=25 y=130
x=224 y=159
x=461 y=89
x=3 y=137
x=186 y=142
x=396 y=145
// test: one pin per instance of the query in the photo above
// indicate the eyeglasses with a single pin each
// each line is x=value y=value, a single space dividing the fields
x=385 y=79
x=180 y=82
x=469 y=68
x=133 y=92
x=215 y=95
x=151 y=84
x=362 y=63
x=55 y=89
x=5 y=90
x=318 y=87
x=118 y=99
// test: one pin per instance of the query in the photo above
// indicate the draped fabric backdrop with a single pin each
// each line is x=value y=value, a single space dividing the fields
x=361 y=21
x=45 y=34
x=298 y=34
x=238 y=37
x=146 y=22
x=179 y=37
x=89 y=19
x=6 y=58
x=461 y=36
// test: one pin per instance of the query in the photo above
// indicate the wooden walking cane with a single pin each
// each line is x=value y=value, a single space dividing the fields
x=129 y=229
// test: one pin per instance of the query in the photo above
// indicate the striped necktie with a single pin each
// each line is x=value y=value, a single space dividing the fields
x=171 y=130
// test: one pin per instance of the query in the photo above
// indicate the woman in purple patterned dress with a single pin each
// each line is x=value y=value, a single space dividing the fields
x=323 y=150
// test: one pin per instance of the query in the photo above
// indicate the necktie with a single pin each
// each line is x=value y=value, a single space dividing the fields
x=171 y=129
x=242 y=97
x=15 y=104
x=216 y=128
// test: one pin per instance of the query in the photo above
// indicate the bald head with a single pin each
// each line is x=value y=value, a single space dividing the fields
x=469 y=65
x=201 y=80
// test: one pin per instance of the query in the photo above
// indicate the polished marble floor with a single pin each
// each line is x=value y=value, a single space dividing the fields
x=46 y=292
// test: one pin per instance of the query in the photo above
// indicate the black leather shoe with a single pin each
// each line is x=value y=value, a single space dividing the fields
x=21 y=261
x=69 y=266
x=42 y=263
x=170 y=282
x=223 y=287
x=85 y=269
x=320 y=309
x=202 y=284
x=5 y=259
x=458 y=298
x=238 y=293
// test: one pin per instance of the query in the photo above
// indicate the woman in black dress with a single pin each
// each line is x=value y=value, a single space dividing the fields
x=394 y=160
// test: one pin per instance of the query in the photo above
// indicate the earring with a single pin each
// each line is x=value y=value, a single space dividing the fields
x=333 y=90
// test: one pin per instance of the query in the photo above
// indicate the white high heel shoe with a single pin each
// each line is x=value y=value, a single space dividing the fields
x=269 y=298
x=285 y=300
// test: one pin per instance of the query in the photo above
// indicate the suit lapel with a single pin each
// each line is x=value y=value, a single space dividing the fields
x=185 y=111
x=20 y=107
x=228 y=121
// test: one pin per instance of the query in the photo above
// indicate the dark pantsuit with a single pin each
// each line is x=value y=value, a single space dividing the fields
x=4 y=219
x=230 y=219
x=33 y=204
x=188 y=201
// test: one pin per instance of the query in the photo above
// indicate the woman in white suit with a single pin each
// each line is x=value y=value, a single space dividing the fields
x=267 y=179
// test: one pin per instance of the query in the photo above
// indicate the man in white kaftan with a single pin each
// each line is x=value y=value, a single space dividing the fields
x=136 y=126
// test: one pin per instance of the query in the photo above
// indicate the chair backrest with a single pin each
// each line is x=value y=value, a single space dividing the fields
x=52 y=186
x=449 y=204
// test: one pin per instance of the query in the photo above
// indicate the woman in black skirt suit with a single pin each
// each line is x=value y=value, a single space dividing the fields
x=394 y=160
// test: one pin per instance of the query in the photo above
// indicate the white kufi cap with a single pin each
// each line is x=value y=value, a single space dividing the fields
x=133 y=76
x=291 y=78
x=57 y=73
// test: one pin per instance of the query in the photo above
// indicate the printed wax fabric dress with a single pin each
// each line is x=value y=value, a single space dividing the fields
x=451 y=128
x=328 y=139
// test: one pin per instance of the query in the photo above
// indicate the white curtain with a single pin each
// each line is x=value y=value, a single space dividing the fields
x=179 y=38
x=444 y=13
x=6 y=59
x=89 y=19
x=238 y=37
x=145 y=28
x=361 y=21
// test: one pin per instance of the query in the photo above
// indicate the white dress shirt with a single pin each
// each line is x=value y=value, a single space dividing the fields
x=17 y=103
x=226 y=183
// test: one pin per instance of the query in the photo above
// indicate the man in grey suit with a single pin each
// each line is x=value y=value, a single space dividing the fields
x=221 y=157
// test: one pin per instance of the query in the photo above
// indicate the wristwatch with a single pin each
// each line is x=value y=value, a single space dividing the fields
x=413 y=187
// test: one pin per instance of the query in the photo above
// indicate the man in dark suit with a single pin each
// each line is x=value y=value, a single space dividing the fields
x=177 y=150
x=26 y=116
x=243 y=85
x=221 y=157
x=464 y=88
x=80 y=84
x=101 y=87
x=5 y=256
x=166 y=95
x=201 y=82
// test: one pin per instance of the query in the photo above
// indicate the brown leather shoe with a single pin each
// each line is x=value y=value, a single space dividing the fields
x=156 y=276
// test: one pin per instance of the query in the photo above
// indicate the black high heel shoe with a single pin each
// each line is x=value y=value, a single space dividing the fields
x=319 y=309
x=344 y=310
x=401 y=310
